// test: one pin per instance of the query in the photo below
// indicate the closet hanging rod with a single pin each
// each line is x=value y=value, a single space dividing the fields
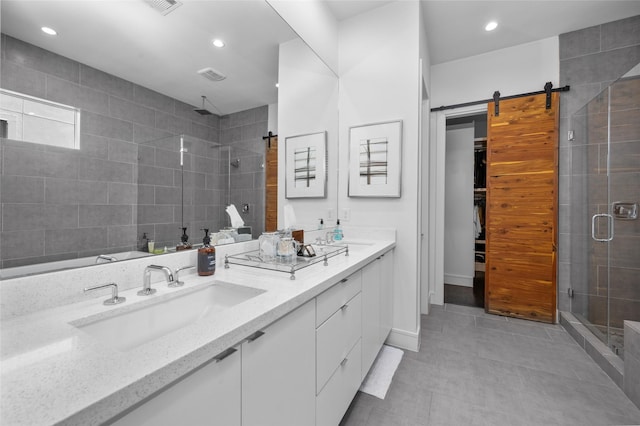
x=485 y=101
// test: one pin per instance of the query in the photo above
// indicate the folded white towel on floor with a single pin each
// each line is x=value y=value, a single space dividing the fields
x=384 y=367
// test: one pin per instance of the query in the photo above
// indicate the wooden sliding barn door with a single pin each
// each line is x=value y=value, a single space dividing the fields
x=522 y=208
x=271 y=185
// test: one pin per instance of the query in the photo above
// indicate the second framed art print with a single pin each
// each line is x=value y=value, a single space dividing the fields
x=375 y=157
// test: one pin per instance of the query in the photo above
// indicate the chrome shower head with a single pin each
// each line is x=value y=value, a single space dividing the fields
x=203 y=110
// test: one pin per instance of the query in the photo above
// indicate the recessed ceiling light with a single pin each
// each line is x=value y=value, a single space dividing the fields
x=218 y=43
x=277 y=84
x=49 y=31
x=491 y=26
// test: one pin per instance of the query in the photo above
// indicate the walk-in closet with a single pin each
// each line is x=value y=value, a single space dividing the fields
x=465 y=210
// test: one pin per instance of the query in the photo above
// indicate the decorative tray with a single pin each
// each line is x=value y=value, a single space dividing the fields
x=290 y=265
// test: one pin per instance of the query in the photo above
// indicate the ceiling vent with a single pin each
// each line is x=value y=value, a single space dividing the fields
x=212 y=74
x=164 y=6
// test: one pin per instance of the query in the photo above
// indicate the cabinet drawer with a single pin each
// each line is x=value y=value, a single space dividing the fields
x=335 y=297
x=334 y=400
x=335 y=338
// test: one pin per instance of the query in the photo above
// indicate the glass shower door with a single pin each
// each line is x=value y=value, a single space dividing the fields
x=623 y=196
x=605 y=191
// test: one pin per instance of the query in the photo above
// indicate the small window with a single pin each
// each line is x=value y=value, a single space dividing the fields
x=29 y=119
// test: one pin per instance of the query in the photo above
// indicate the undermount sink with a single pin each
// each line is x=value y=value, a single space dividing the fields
x=133 y=328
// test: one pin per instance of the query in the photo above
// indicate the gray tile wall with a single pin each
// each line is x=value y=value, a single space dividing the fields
x=59 y=204
x=243 y=132
x=590 y=59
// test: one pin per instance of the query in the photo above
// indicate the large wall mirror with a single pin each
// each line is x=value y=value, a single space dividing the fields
x=162 y=145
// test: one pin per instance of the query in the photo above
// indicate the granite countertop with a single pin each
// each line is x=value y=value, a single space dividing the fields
x=54 y=373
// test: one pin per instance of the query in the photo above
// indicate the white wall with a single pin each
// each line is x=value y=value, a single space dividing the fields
x=458 y=206
x=380 y=81
x=424 y=173
x=307 y=103
x=514 y=70
x=315 y=24
x=272 y=120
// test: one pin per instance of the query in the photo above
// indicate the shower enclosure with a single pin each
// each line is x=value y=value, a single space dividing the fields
x=605 y=197
x=186 y=182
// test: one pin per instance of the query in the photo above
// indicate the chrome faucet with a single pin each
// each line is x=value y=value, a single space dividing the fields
x=177 y=282
x=105 y=257
x=146 y=288
x=114 y=293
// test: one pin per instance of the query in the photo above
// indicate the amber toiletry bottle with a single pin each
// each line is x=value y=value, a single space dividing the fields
x=206 y=256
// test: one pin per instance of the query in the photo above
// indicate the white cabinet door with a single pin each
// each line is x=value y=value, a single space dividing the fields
x=278 y=372
x=370 y=314
x=386 y=295
x=208 y=396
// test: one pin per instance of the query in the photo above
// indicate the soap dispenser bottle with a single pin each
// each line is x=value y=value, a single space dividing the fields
x=337 y=232
x=184 y=245
x=206 y=257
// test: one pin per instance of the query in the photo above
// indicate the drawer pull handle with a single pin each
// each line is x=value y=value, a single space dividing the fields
x=224 y=354
x=255 y=336
x=344 y=280
x=344 y=307
x=344 y=361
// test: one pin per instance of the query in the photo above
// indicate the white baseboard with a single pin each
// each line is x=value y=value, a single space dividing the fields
x=461 y=280
x=404 y=339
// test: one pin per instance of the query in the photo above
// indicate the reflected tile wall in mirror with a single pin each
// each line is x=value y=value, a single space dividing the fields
x=61 y=204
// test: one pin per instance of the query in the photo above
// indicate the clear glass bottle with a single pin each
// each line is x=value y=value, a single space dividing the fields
x=268 y=246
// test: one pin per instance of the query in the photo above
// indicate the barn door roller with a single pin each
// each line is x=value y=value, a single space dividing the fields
x=496 y=103
x=268 y=138
x=547 y=90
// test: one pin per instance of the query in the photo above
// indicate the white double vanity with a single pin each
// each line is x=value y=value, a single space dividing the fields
x=246 y=346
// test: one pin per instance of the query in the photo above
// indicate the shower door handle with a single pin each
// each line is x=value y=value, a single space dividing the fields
x=594 y=218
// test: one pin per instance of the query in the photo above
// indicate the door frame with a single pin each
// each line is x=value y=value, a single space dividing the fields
x=436 y=196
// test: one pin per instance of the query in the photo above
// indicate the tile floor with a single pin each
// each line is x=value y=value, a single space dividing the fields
x=480 y=369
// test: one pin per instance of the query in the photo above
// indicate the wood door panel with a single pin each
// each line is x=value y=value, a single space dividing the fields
x=518 y=182
x=532 y=304
x=517 y=151
x=534 y=265
x=507 y=245
x=523 y=237
x=524 y=166
x=271 y=185
x=529 y=205
x=521 y=219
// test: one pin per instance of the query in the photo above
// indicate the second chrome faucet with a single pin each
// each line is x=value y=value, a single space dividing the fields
x=146 y=288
